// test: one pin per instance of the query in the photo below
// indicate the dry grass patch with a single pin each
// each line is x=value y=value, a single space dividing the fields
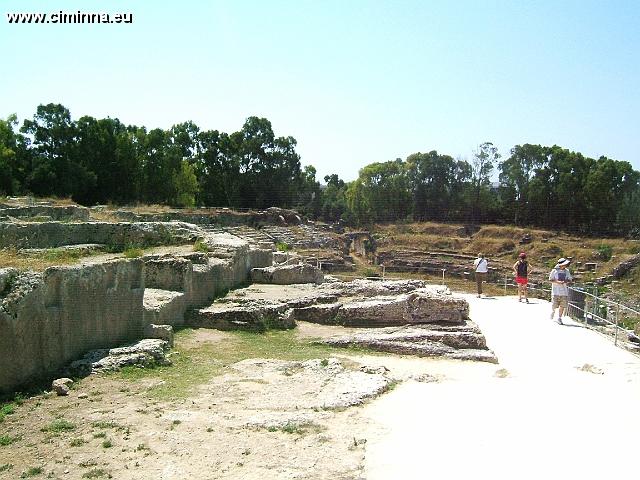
x=194 y=363
x=9 y=257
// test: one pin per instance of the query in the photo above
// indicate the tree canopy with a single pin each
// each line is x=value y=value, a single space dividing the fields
x=96 y=161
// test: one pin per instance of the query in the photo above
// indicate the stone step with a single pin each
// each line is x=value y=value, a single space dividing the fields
x=164 y=307
x=249 y=317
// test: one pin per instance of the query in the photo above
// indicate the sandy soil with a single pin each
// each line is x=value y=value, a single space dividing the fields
x=252 y=422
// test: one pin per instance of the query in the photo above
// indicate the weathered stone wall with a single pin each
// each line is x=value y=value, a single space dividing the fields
x=55 y=234
x=198 y=278
x=216 y=216
x=51 y=318
x=54 y=212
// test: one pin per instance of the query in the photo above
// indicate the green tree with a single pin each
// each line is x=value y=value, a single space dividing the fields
x=610 y=187
x=484 y=159
x=53 y=139
x=14 y=158
x=516 y=174
x=185 y=185
x=436 y=182
x=381 y=193
x=269 y=166
x=309 y=194
x=333 y=201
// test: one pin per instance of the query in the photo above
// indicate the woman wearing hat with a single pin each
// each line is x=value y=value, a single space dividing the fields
x=560 y=278
x=521 y=271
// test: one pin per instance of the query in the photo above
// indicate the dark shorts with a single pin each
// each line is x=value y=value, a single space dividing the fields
x=521 y=280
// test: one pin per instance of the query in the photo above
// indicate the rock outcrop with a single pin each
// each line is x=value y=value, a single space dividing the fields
x=56 y=234
x=255 y=316
x=287 y=274
x=464 y=342
x=49 y=319
x=145 y=353
x=51 y=212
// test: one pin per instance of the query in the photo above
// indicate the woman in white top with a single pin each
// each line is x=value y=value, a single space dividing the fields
x=481 y=266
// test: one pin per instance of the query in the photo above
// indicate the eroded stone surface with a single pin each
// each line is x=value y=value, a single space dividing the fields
x=420 y=306
x=255 y=315
x=459 y=342
x=162 y=332
x=144 y=353
x=418 y=320
x=313 y=384
x=287 y=274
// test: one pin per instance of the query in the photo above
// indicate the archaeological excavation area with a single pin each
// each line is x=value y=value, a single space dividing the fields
x=201 y=344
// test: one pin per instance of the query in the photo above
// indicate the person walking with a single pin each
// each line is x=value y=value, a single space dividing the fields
x=481 y=266
x=560 y=277
x=521 y=271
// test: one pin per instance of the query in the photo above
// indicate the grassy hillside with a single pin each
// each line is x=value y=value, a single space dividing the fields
x=501 y=244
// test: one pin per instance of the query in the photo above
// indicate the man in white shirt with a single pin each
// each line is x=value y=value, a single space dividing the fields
x=481 y=266
x=560 y=278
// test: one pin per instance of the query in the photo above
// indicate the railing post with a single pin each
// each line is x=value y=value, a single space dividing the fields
x=505 y=285
x=384 y=271
x=615 y=341
x=443 y=270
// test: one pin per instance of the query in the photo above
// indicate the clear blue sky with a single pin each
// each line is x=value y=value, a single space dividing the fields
x=353 y=81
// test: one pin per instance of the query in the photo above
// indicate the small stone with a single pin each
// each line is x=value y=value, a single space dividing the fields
x=83 y=395
x=381 y=370
x=61 y=386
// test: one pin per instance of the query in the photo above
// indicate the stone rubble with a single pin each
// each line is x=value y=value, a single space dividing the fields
x=145 y=353
x=61 y=386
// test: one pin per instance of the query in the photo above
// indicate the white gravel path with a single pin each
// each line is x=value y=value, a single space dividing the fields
x=546 y=419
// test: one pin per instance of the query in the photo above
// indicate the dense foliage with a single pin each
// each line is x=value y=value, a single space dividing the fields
x=104 y=161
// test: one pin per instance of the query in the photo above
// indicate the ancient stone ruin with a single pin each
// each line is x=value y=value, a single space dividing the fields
x=94 y=314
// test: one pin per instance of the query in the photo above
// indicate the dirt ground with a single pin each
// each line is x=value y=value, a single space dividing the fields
x=247 y=419
x=254 y=406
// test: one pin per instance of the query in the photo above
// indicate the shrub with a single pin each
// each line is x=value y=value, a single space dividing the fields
x=96 y=473
x=32 y=472
x=59 y=425
x=133 y=252
x=200 y=246
x=370 y=272
x=282 y=247
x=605 y=252
x=6 y=440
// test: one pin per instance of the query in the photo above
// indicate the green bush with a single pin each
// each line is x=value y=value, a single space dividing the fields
x=370 y=272
x=605 y=252
x=200 y=246
x=6 y=440
x=32 y=472
x=133 y=252
x=282 y=247
x=59 y=425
